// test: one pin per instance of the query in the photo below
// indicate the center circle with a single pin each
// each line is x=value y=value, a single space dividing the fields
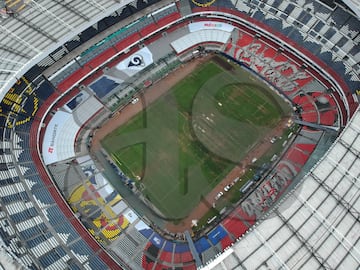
x=230 y=118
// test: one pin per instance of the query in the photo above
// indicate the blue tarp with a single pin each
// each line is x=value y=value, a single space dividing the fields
x=217 y=234
x=103 y=86
x=202 y=244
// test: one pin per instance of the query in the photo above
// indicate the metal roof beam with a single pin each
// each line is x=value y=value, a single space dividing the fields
x=45 y=10
x=72 y=9
x=35 y=28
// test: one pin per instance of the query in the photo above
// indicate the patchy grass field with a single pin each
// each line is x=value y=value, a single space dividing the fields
x=184 y=144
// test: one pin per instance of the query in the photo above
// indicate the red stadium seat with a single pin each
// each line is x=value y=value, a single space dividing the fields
x=245 y=217
x=235 y=226
x=226 y=242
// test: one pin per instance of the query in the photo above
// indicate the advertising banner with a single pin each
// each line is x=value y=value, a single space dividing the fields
x=59 y=138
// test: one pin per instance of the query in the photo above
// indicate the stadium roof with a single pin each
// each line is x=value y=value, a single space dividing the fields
x=30 y=30
x=316 y=226
x=320 y=217
x=26 y=37
x=354 y=5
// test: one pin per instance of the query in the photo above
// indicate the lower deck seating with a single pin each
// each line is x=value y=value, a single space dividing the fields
x=166 y=256
x=296 y=156
x=234 y=225
x=149 y=256
x=245 y=217
x=226 y=242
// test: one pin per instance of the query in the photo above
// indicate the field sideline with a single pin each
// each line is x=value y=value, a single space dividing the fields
x=190 y=138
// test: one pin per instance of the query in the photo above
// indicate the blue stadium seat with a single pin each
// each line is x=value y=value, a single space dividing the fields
x=80 y=247
x=97 y=263
x=43 y=195
x=65 y=228
x=33 y=231
x=44 y=90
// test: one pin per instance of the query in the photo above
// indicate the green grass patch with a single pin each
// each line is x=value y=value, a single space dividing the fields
x=203 y=221
x=130 y=160
x=184 y=144
x=248 y=103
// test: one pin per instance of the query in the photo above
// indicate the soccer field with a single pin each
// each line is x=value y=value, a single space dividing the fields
x=183 y=145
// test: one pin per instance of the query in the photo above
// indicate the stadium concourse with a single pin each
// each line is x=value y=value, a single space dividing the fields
x=58 y=210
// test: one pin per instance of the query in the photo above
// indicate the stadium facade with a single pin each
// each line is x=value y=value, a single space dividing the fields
x=50 y=51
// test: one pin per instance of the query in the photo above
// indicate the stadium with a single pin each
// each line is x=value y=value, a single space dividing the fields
x=69 y=70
